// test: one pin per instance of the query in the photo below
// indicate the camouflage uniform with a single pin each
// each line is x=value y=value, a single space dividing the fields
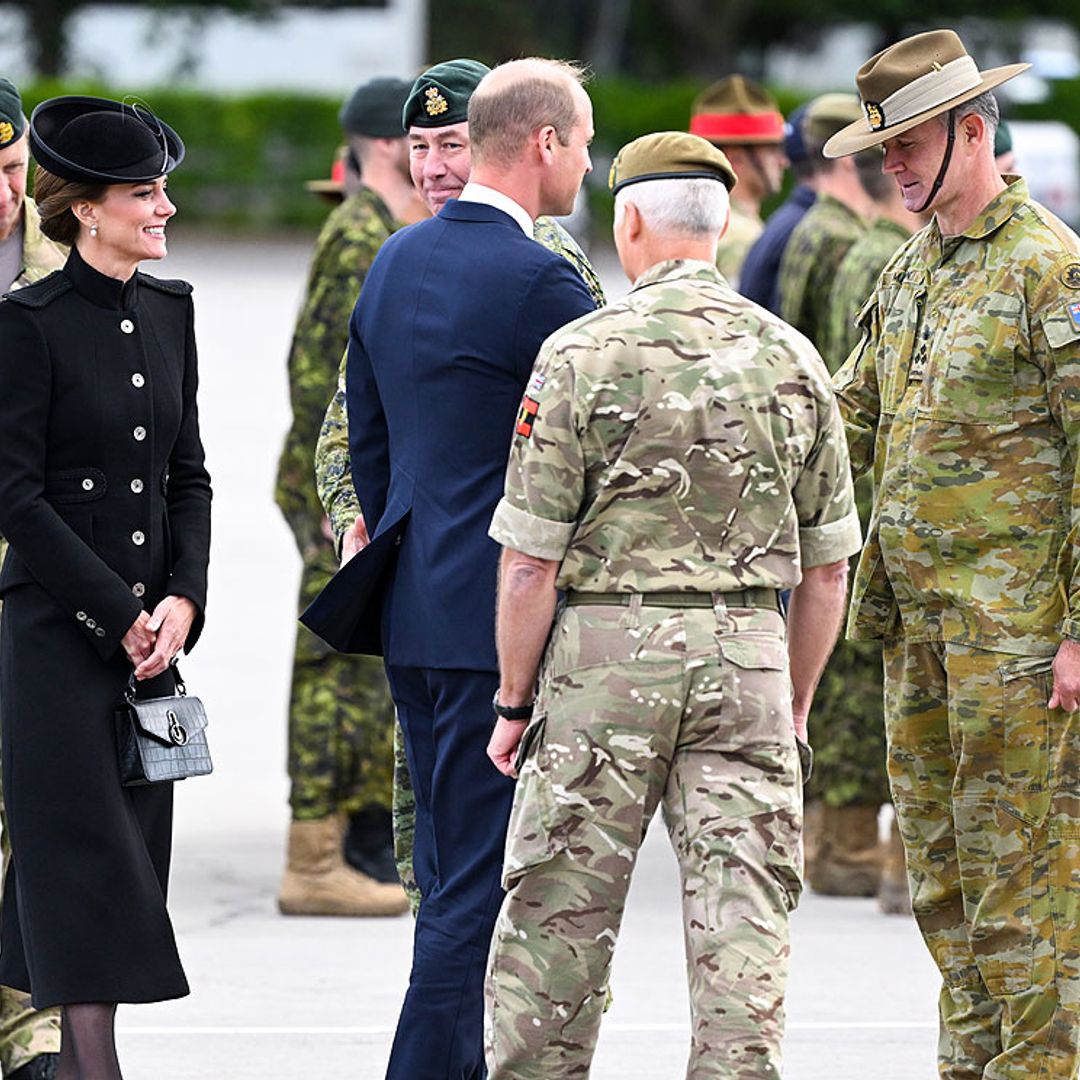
x=24 y=1032
x=340 y=714
x=686 y=453
x=744 y=227
x=964 y=396
x=333 y=480
x=811 y=259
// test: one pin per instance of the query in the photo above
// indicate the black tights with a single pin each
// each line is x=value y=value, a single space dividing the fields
x=87 y=1043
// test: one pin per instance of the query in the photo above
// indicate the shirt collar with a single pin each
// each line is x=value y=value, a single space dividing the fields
x=673 y=269
x=481 y=193
x=98 y=288
x=996 y=213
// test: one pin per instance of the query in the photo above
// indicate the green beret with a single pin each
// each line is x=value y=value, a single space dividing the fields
x=12 y=121
x=828 y=114
x=440 y=97
x=669 y=155
x=374 y=109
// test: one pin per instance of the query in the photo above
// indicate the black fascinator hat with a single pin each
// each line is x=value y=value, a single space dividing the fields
x=96 y=140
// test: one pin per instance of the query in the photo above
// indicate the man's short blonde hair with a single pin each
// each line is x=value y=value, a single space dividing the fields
x=518 y=98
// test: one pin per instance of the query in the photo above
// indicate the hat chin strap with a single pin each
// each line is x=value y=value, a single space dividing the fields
x=945 y=162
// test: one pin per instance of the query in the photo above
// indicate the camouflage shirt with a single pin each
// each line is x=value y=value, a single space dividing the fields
x=344 y=252
x=681 y=439
x=964 y=396
x=333 y=473
x=744 y=227
x=811 y=259
x=855 y=281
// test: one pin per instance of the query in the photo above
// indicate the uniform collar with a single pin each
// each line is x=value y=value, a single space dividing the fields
x=996 y=213
x=675 y=269
x=368 y=197
x=98 y=288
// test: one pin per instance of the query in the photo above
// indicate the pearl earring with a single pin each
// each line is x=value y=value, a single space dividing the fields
x=93 y=230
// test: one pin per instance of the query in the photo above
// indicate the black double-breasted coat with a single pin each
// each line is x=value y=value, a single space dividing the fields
x=105 y=502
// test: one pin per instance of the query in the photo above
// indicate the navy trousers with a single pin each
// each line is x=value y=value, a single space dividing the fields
x=462 y=809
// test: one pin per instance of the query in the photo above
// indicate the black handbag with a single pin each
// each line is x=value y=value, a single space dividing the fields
x=161 y=738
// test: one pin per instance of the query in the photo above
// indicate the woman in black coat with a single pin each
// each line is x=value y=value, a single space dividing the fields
x=106 y=504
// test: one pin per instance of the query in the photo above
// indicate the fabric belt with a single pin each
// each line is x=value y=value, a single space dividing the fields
x=757 y=597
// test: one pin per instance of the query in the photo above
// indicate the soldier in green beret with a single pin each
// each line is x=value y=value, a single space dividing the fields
x=683 y=461
x=963 y=399
x=341 y=719
x=436 y=119
x=29 y=1040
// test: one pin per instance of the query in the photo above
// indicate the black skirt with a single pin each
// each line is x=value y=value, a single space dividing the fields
x=83 y=917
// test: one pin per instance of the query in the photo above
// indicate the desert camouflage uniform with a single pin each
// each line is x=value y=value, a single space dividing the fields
x=341 y=718
x=744 y=227
x=25 y=1032
x=811 y=259
x=686 y=442
x=964 y=396
x=333 y=480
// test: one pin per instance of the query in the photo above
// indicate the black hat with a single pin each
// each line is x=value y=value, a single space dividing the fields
x=440 y=97
x=12 y=121
x=374 y=109
x=96 y=140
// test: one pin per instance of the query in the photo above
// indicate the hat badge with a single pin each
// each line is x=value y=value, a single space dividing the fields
x=7 y=132
x=875 y=115
x=436 y=103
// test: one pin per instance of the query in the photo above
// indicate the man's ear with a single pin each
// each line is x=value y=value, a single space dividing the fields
x=546 y=138
x=633 y=222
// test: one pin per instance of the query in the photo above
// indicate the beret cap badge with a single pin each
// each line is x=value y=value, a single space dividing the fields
x=875 y=115
x=436 y=103
x=7 y=132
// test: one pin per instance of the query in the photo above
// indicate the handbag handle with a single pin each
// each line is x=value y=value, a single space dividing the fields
x=181 y=689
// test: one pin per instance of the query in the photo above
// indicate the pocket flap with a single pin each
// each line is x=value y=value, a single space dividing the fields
x=64 y=486
x=759 y=653
x=170 y=720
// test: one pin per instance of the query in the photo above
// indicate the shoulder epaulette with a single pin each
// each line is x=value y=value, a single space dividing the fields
x=41 y=292
x=166 y=285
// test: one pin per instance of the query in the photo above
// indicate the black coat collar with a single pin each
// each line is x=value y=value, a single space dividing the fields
x=98 y=288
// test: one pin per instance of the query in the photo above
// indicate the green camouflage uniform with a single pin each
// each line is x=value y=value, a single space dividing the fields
x=333 y=479
x=24 y=1032
x=809 y=265
x=684 y=440
x=744 y=227
x=341 y=718
x=964 y=397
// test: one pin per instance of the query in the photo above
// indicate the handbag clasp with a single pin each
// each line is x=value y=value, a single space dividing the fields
x=177 y=731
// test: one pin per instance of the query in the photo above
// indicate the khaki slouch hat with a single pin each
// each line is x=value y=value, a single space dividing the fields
x=910 y=82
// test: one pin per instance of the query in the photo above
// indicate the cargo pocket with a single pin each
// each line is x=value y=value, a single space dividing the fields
x=1025 y=693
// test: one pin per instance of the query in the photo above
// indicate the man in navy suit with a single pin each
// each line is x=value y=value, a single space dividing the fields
x=441 y=347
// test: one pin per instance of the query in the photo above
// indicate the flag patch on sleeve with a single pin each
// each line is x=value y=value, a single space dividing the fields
x=1074 y=313
x=527 y=416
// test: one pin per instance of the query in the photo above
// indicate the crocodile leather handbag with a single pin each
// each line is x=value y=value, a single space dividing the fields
x=161 y=738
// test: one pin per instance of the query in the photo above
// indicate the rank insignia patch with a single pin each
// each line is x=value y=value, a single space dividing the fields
x=537 y=383
x=527 y=416
x=1071 y=275
x=1073 y=312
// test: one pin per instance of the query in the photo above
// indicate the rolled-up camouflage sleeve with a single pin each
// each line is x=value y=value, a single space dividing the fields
x=333 y=471
x=545 y=477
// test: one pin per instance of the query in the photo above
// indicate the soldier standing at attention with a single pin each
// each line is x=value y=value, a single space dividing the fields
x=341 y=718
x=29 y=1039
x=679 y=459
x=964 y=398
x=742 y=120
x=820 y=241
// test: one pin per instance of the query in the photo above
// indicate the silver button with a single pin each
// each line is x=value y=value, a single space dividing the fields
x=99 y=632
x=139 y=589
x=88 y=484
x=138 y=537
x=137 y=486
x=127 y=326
x=137 y=380
x=90 y=624
x=81 y=616
x=139 y=433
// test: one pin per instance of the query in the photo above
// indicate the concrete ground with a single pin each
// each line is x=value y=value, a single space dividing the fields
x=276 y=998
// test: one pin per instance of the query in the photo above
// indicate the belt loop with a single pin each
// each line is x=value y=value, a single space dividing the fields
x=724 y=624
x=632 y=619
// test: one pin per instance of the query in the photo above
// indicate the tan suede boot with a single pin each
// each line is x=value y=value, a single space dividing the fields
x=848 y=857
x=318 y=881
x=894 y=896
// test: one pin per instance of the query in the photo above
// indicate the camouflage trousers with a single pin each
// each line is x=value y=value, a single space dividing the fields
x=404 y=816
x=639 y=707
x=986 y=782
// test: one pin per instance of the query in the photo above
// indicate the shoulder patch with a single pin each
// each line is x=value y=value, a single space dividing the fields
x=527 y=417
x=41 y=292
x=166 y=285
x=1071 y=276
x=1073 y=311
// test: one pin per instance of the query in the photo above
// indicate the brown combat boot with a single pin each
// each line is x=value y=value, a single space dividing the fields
x=847 y=861
x=318 y=881
x=894 y=896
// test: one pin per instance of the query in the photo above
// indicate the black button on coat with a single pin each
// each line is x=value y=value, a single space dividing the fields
x=105 y=501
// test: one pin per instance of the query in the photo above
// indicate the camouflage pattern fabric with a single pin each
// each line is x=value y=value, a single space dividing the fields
x=808 y=268
x=705 y=732
x=683 y=439
x=26 y=1032
x=744 y=227
x=403 y=810
x=986 y=781
x=340 y=714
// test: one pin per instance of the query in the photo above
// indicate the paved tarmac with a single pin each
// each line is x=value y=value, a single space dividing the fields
x=279 y=998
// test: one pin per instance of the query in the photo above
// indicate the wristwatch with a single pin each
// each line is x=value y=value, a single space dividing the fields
x=512 y=712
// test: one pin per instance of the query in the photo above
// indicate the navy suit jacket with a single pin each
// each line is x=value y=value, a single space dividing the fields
x=441 y=345
x=759 y=278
